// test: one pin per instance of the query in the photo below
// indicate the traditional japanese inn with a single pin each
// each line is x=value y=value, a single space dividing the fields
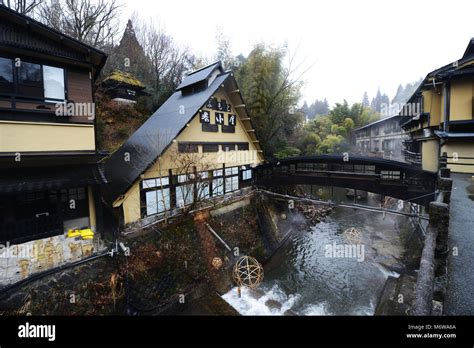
x=199 y=144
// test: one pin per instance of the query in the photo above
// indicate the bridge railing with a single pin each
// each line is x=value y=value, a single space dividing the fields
x=391 y=178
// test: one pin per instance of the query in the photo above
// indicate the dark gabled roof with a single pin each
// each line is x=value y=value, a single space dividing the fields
x=469 y=50
x=29 y=34
x=200 y=75
x=154 y=137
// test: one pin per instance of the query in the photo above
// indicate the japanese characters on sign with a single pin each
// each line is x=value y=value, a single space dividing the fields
x=205 y=117
x=219 y=118
x=221 y=107
x=218 y=105
x=231 y=120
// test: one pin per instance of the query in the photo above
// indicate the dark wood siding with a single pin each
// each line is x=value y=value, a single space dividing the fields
x=79 y=86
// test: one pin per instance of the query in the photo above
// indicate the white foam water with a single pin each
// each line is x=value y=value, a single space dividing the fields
x=386 y=272
x=269 y=302
x=276 y=302
x=370 y=310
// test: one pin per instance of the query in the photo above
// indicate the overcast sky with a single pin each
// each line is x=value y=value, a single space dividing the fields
x=355 y=45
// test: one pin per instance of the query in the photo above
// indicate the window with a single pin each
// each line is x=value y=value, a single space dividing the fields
x=210 y=148
x=30 y=80
x=390 y=175
x=150 y=183
x=53 y=79
x=74 y=193
x=231 y=184
x=386 y=145
x=232 y=179
x=217 y=187
x=185 y=177
x=247 y=174
x=203 y=190
x=6 y=75
x=217 y=183
x=228 y=147
x=184 y=195
x=203 y=185
x=203 y=175
x=243 y=147
x=376 y=145
x=157 y=201
x=231 y=171
x=74 y=203
x=155 y=196
x=188 y=148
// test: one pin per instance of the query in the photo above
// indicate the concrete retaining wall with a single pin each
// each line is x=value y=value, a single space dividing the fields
x=17 y=262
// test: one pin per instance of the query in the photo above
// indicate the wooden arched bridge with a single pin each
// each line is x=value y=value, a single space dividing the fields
x=386 y=177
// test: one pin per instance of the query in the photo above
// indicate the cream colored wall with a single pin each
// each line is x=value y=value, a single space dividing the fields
x=34 y=137
x=462 y=149
x=432 y=104
x=131 y=204
x=430 y=155
x=171 y=159
x=92 y=212
x=194 y=132
x=461 y=99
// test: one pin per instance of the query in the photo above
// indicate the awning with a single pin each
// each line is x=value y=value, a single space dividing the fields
x=37 y=179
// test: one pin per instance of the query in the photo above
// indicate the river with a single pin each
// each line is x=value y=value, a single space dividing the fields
x=302 y=278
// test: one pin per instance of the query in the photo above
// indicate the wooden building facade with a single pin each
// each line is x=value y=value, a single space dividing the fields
x=441 y=131
x=49 y=172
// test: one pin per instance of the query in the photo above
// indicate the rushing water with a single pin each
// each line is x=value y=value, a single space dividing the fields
x=300 y=279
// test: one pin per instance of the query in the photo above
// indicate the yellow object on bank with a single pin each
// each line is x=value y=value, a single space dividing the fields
x=84 y=234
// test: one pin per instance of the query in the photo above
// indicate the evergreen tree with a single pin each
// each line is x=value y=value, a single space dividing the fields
x=129 y=55
x=365 y=100
x=381 y=101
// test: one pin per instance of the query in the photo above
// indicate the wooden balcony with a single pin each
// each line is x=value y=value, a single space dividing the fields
x=412 y=157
